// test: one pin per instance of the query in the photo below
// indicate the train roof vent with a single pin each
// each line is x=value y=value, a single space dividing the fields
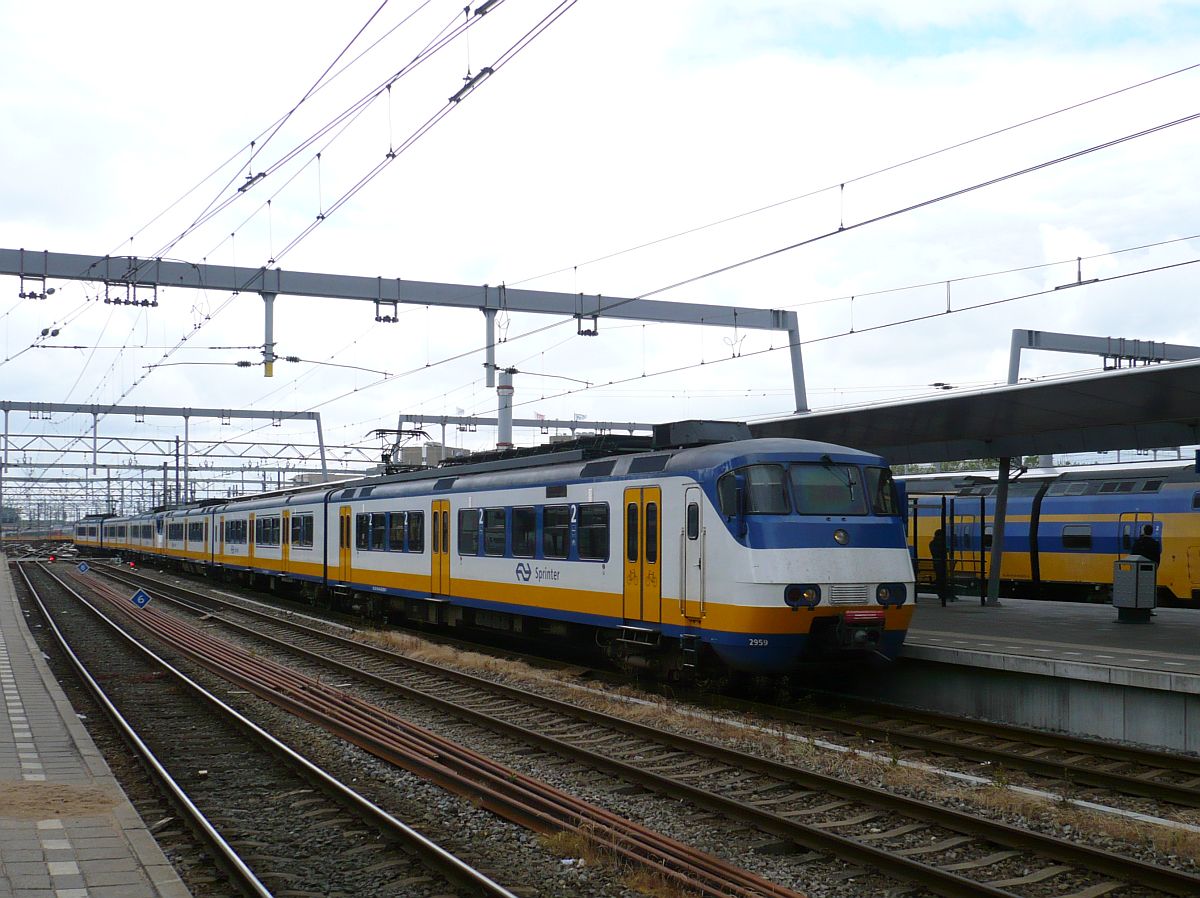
x=648 y=464
x=444 y=483
x=1110 y=487
x=598 y=468
x=1151 y=486
x=366 y=492
x=348 y=494
x=679 y=434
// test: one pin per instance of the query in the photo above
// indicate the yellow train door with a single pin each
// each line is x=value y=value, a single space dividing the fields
x=344 y=543
x=285 y=540
x=250 y=540
x=643 y=554
x=439 y=573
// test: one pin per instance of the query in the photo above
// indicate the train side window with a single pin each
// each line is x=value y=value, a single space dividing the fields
x=1077 y=536
x=493 y=531
x=416 y=531
x=524 y=532
x=593 y=531
x=395 y=531
x=631 y=532
x=379 y=529
x=302 y=530
x=468 y=531
x=651 y=533
x=693 y=520
x=1195 y=500
x=362 y=530
x=556 y=531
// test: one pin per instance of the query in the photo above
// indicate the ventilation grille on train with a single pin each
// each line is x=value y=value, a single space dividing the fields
x=848 y=594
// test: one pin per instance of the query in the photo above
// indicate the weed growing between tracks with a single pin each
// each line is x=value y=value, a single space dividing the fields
x=582 y=847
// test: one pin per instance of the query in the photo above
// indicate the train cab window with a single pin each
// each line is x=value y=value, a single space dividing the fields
x=416 y=531
x=468 y=531
x=1077 y=536
x=765 y=490
x=882 y=490
x=395 y=529
x=524 y=532
x=593 y=531
x=693 y=520
x=651 y=533
x=493 y=531
x=828 y=489
x=362 y=530
x=556 y=531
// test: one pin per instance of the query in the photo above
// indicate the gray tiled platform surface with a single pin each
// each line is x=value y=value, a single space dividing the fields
x=1073 y=640
x=66 y=828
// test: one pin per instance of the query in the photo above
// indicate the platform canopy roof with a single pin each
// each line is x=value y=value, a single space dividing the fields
x=1131 y=408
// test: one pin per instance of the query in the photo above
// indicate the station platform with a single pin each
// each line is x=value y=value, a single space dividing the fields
x=66 y=828
x=1062 y=666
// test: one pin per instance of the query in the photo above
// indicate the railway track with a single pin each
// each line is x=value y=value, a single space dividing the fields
x=1125 y=770
x=270 y=818
x=504 y=791
x=942 y=849
x=1069 y=761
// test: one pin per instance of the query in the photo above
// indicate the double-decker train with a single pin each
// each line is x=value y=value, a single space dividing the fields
x=678 y=555
x=1064 y=528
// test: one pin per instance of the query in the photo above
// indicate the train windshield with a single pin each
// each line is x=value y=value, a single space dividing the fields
x=766 y=490
x=828 y=489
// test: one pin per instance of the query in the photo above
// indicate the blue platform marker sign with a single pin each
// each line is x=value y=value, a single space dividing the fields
x=83 y=567
x=141 y=598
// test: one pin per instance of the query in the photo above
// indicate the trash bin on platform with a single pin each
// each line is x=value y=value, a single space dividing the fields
x=1135 y=583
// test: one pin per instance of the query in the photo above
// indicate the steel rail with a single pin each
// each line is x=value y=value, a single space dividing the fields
x=1162 y=878
x=1129 y=784
x=443 y=861
x=496 y=787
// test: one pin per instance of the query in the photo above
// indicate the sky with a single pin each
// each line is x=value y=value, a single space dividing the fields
x=629 y=147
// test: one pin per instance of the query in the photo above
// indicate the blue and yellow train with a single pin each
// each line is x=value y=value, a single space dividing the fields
x=1064 y=529
x=754 y=555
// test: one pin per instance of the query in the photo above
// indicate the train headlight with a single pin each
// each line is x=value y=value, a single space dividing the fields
x=891 y=594
x=802 y=595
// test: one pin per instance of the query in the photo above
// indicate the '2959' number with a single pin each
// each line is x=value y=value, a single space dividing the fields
x=755 y=641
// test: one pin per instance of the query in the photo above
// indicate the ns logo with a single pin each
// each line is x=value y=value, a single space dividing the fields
x=524 y=572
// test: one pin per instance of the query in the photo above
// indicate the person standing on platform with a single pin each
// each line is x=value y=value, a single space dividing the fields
x=1147 y=546
x=937 y=551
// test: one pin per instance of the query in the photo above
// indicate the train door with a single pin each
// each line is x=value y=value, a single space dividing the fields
x=344 y=543
x=691 y=599
x=250 y=540
x=439 y=571
x=643 y=544
x=1129 y=528
x=285 y=540
x=221 y=537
